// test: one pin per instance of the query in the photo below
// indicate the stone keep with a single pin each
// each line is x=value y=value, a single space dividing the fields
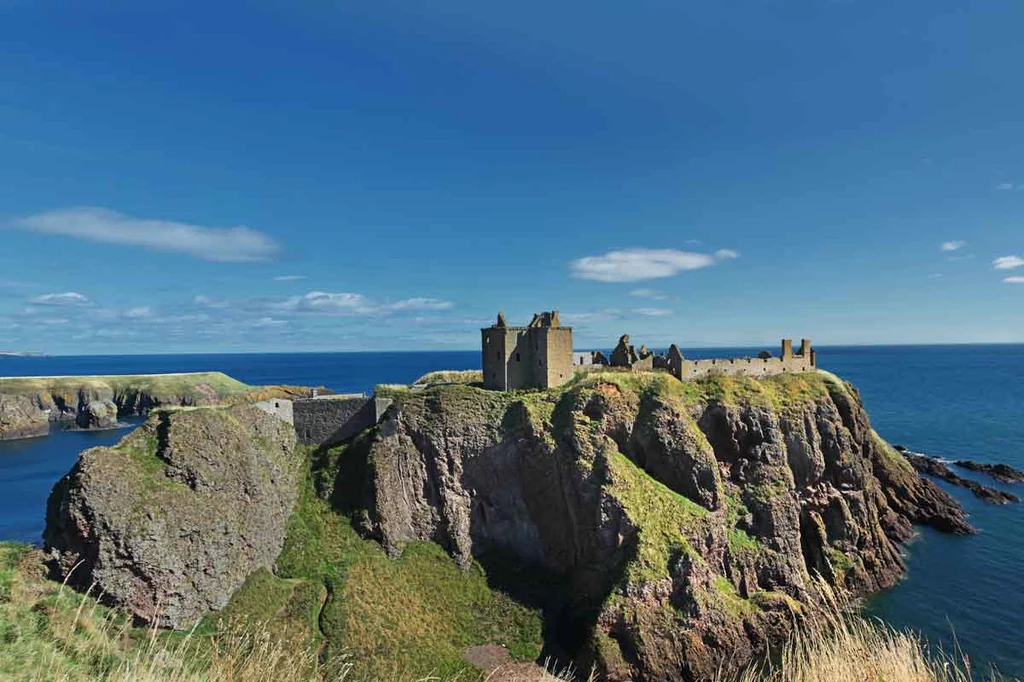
x=535 y=356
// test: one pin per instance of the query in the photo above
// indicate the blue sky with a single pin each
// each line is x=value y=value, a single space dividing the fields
x=311 y=176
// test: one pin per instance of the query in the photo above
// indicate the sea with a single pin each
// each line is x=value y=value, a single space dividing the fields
x=964 y=594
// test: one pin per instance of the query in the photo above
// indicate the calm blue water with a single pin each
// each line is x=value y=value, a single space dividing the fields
x=952 y=401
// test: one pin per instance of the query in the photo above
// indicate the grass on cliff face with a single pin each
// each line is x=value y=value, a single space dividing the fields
x=658 y=512
x=399 y=618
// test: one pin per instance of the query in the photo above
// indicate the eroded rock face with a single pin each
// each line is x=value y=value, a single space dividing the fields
x=20 y=417
x=169 y=522
x=687 y=521
x=95 y=411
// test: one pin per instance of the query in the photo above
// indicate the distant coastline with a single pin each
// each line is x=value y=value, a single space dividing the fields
x=22 y=354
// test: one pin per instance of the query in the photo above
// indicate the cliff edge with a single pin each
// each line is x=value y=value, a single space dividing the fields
x=685 y=518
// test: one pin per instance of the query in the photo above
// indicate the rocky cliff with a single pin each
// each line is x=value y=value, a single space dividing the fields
x=665 y=530
x=171 y=521
x=27 y=404
x=686 y=518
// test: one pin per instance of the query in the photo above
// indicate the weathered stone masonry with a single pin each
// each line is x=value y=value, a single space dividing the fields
x=330 y=419
x=537 y=356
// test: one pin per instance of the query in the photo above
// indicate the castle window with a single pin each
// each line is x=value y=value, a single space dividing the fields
x=517 y=357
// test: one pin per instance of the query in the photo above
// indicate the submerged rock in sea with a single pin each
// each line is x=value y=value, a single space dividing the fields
x=937 y=468
x=169 y=522
x=1004 y=473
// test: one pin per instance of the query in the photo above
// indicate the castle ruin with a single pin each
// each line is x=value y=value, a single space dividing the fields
x=536 y=356
x=541 y=355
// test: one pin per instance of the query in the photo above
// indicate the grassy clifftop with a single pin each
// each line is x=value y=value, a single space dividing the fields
x=197 y=384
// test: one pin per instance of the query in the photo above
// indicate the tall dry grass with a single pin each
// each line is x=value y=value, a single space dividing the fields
x=49 y=633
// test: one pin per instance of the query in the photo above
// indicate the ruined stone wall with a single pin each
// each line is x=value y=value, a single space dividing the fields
x=331 y=419
x=751 y=367
x=282 y=409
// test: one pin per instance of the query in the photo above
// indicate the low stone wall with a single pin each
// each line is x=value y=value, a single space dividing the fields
x=329 y=420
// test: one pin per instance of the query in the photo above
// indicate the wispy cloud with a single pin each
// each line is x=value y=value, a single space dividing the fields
x=224 y=244
x=1009 y=187
x=68 y=298
x=269 y=323
x=1016 y=279
x=653 y=312
x=637 y=264
x=1007 y=262
x=953 y=245
x=138 y=313
x=289 y=278
x=652 y=294
x=418 y=304
x=338 y=304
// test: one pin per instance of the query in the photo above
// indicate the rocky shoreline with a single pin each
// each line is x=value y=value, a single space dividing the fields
x=933 y=466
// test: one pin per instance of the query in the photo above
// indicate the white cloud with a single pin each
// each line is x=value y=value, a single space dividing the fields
x=140 y=312
x=1005 y=186
x=636 y=264
x=269 y=322
x=652 y=294
x=652 y=312
x=1016 y=279
x=289 y=278
x=209 y=302
x=1007 y=262
x=418 y=304
x=224 y=244
x=69 y=298
x=334 y=304
x=953 y=245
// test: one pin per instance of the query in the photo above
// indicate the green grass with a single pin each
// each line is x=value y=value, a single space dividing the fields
x=403 y=617
x=155 y=384
x=661 y=515
x=727 y=597
x=469 y=376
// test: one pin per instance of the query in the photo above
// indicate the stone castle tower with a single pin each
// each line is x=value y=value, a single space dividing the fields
x=536 y=356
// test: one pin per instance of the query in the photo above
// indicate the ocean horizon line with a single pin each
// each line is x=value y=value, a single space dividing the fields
x=39 y=356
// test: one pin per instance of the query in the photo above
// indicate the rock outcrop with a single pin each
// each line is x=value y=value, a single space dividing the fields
x=686 y=519
x=171 y=521
x=937 y=468
x=97 y=402
x=20 y=417
x=1004 y=473
x=95 y=412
